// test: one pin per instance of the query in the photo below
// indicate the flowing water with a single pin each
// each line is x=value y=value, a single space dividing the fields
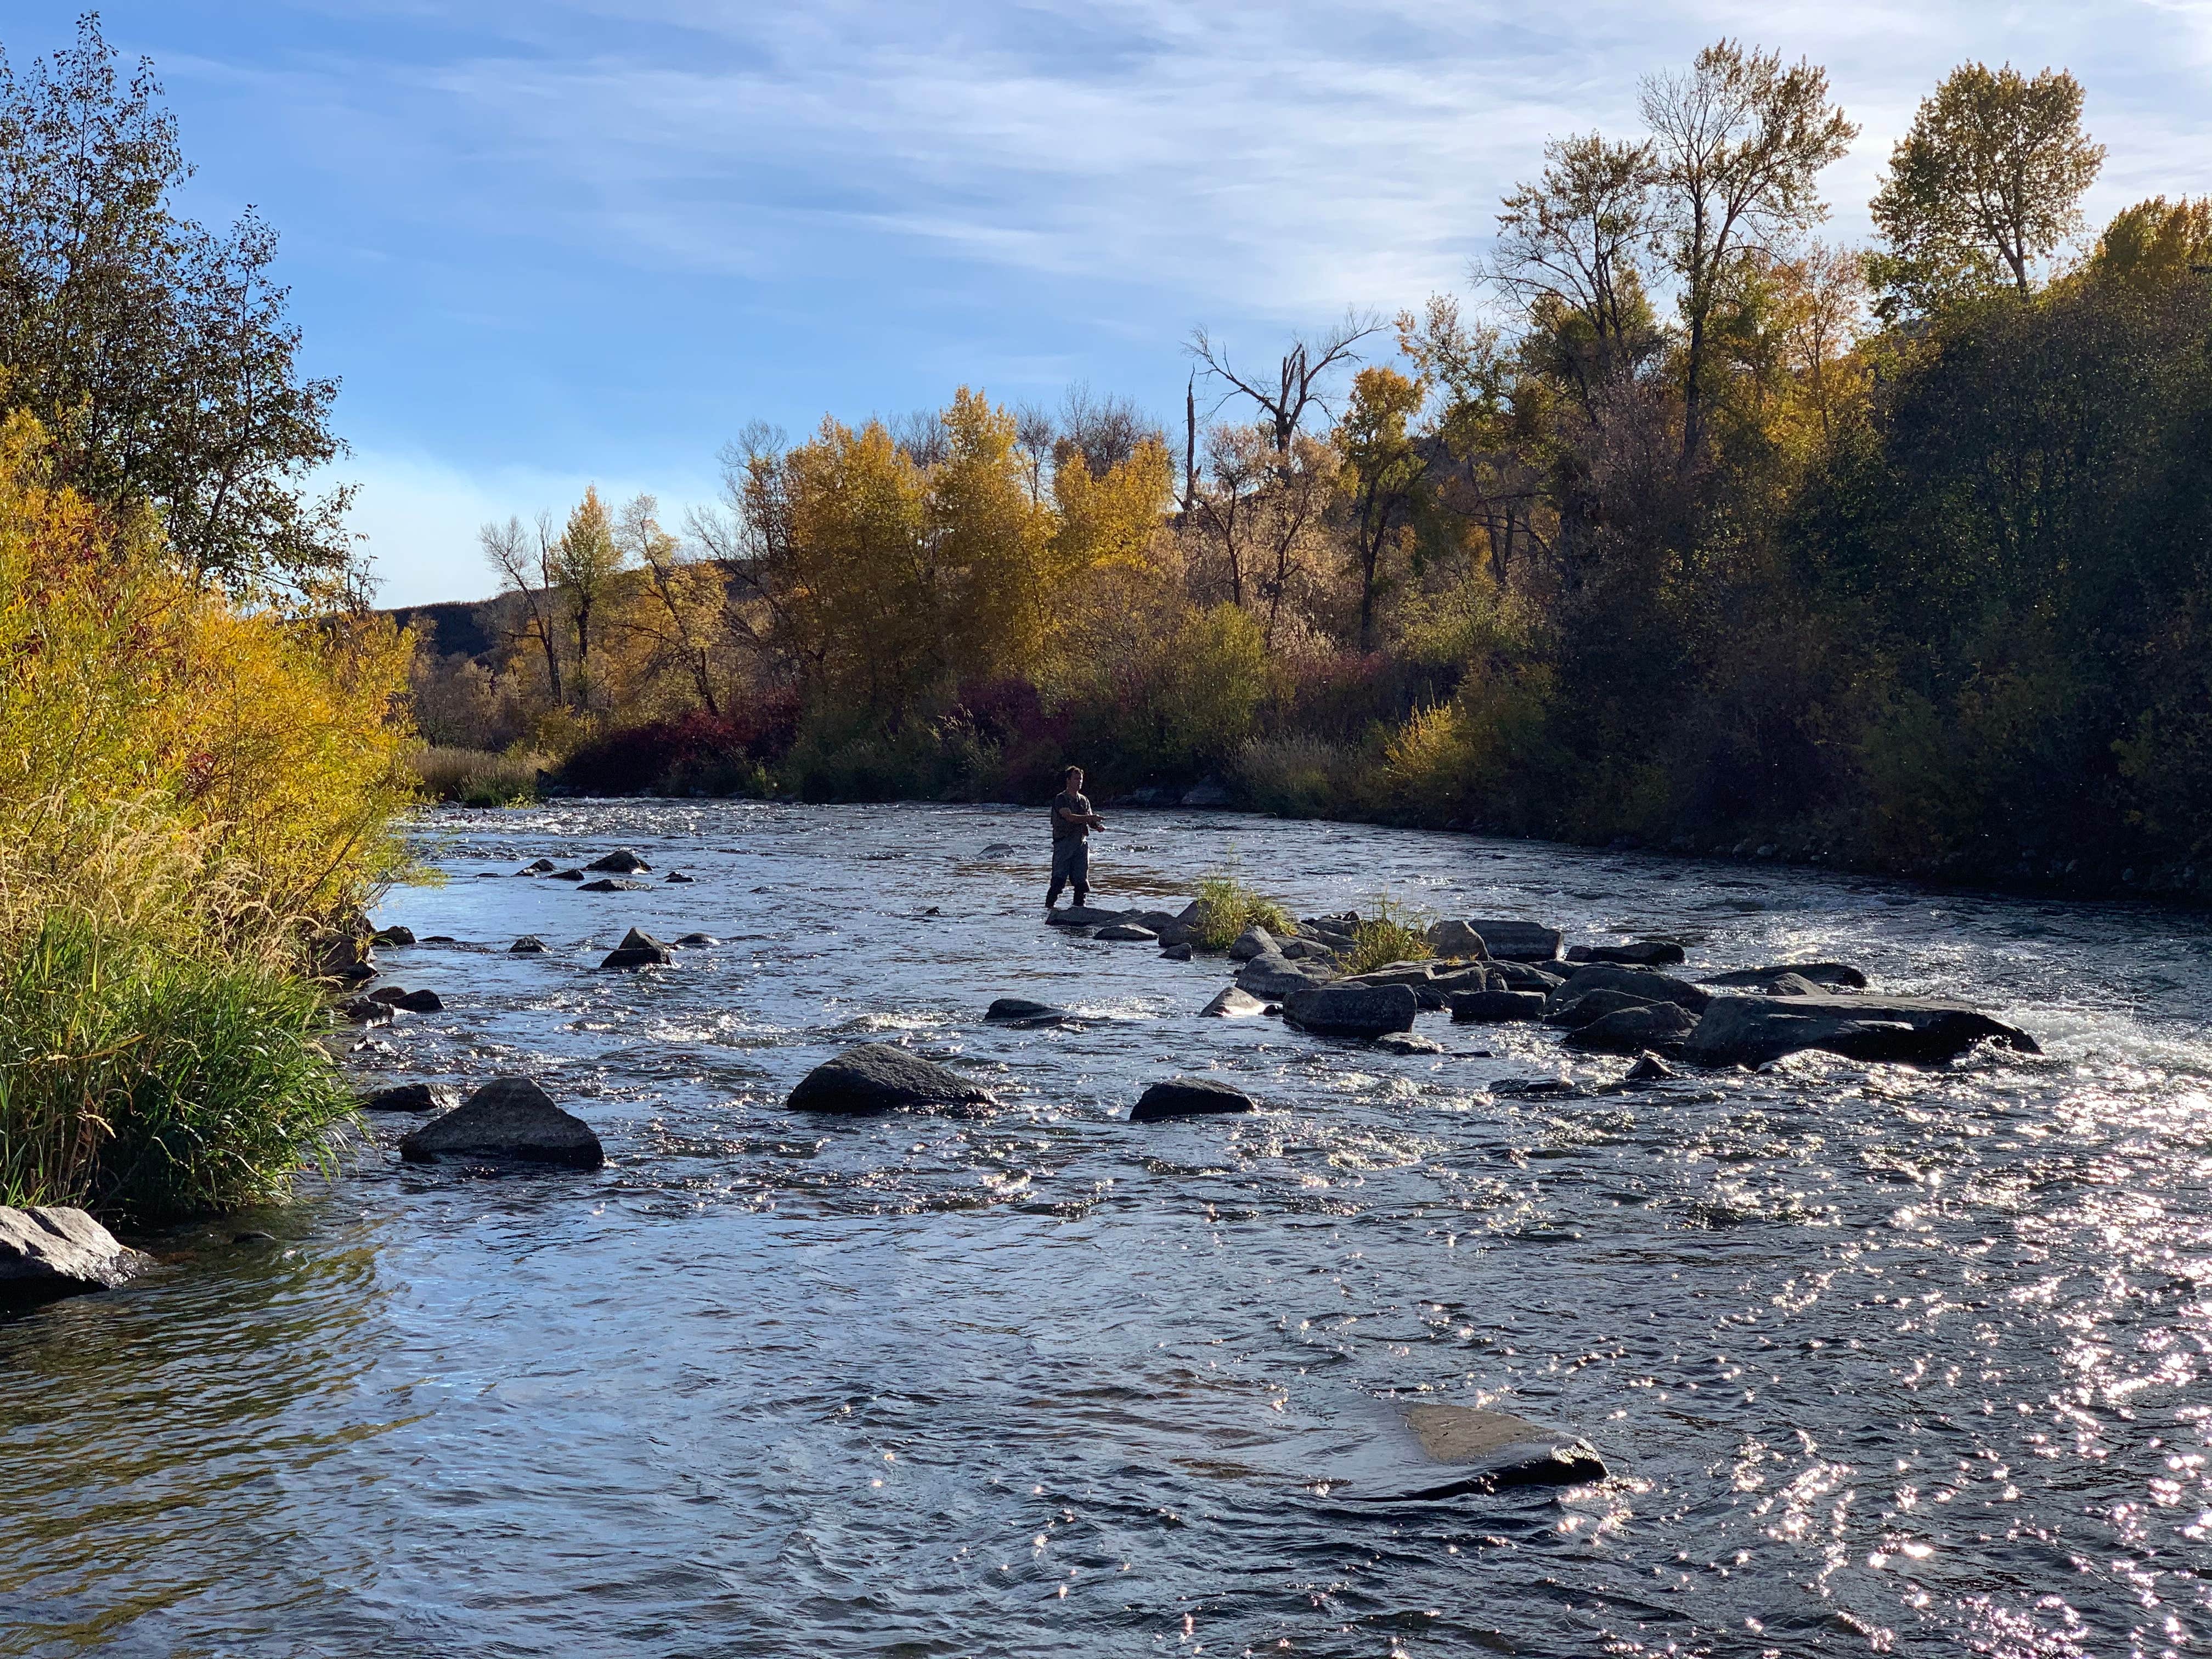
x=1881 y=1359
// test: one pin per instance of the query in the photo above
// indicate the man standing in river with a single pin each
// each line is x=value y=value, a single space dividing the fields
x=1073 y=821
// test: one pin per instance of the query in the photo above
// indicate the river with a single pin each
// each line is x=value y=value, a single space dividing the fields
x=1881 y=1359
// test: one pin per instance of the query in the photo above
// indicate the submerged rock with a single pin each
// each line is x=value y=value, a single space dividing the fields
x=567 y=875
x=880 y=1077
x=623 y=863
x=537 y=867
x=365 y=1010
x=49 y=1251
x=638 y=949
x=696 y=941
x=1490 y=1451
x=678 y=876
x=511 y=1119
x=412 y=1097
x=1835 y=975
x=1020 y=1010
x=1640 y=953
x=1230 y=1003
x=1355 y=1010
x=1648 y=1068
x=1659 y=1025
x=1188 y=1097
x=528 y=945
x=1127 y=930
x=1493 y=1008
x=609 y=884
x=1753 y=1029
x=998 y=849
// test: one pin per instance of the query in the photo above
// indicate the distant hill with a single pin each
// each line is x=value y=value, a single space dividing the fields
x=468 y=628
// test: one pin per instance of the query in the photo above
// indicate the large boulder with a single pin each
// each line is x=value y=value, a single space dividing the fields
x=1188 y=1096
x=1658 y=1025
x=1571 y=1010
x=1493 y=1007
x=1520 y=977
x=1353 y=1011
x=1751 y=1030
x=1639 y=953
x=1516 y=941
x=638 y=949
x=1274 y=977
x=412 y=1097
x=881 y=1077
x=1837 y=976
x=1254 y=941
x=1230 y=1003
x=511 y=1120
x=394 y=936
x=1457 y=939
x=624 y=863
x=1645 y=982
x=48 y=1251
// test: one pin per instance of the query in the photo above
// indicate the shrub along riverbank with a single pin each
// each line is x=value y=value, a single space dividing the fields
x=190 y=788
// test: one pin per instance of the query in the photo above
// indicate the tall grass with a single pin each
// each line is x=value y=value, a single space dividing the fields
x=1390 y=935
x=1226 y=908
x=480 y=777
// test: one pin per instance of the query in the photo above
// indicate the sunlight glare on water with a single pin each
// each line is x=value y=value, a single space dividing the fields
x=1882 y=1359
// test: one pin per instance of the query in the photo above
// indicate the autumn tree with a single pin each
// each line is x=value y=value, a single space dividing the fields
x=682 y=598
x=1737 y=147
x=158 y=352
x=1385 y=467
x=2156 y=242
x=1988 y=182
x=584 y=561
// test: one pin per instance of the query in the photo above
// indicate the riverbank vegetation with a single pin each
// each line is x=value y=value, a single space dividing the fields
x=202 y=735
x=1686 y=526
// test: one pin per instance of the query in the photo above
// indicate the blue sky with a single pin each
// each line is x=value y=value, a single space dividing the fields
x=552 y=241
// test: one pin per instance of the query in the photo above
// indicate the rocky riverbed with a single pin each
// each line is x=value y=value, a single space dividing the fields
x=1157 y=1335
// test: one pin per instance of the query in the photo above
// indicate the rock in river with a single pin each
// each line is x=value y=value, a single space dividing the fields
x=1515 y=941
x=1178 y=953
x=1394 y=973
x=412 y=1097
x=698 y=940
x=1840 y=976
x=1490 y=1007
x=1408 y=1042
x=609 y=884
x=1659 y=1025
x=49 y=1251
x=880 y=1077
x=528 y=945
x=1254 y=941
x=1457 y=939
x=394 y=936
x=1271 y=976
x=510 y=1118
x=1488 y=1451
x=1751 y=1030
x=1571 y=1010
x=1230 y=1003
x=678 y=876
x=639 y=948
x=537 y=867
x=1128 y=931
x=1083 y=915
x=1642 y=953
x=1645 y=982
x=1020 y=1010
x=624 y=863
x=1188 y=1097
x=365 y=1010
x=1354 y=1010
x=414 y=1002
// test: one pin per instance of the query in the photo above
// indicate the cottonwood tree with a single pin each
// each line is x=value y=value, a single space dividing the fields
x=1737 y=147
x=585 y=562
x=685 y=596
x=1988 y=182
x=2156 y=242
x=1302 y=376
x=1385 y=469
x=158 y=352
x=524 y=564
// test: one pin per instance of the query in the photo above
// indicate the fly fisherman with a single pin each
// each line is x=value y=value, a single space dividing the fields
x=1073 y=821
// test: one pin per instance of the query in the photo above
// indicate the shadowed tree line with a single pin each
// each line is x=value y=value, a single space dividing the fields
x=1684 y=526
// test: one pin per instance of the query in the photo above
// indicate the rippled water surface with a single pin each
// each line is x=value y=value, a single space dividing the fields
x=1882 y=1359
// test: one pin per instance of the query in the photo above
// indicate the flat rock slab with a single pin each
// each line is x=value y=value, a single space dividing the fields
x=1837 y=976
x=1188 y=1097
x=1353 y=1011
x=512 y=1120
x=1515 y=941
x=1274 y=978
x=609 y=884
x=881 y=1077
x=1639 y=953
x=623 y=863
x=1021 y=1011
x=1128 y=931
x=412 y=1097
x=1740 y=1031
x=1574 y=1009
x=48 y=1251
x=1394 y=973
x=1645 y=982
x=1230 y=1003
x=1495 y=1007
x=1521 y=977
x=1659 y=1025
x=1082 y=915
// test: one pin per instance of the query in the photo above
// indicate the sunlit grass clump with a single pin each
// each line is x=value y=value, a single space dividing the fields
x=1390 y=935
x=1226 y=908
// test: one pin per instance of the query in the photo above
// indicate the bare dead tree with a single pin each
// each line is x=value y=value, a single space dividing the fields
x=527 y=573
x=1301 y=377
x=1036 y=432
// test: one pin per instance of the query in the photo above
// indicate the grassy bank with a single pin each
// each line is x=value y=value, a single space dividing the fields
x=192 y=790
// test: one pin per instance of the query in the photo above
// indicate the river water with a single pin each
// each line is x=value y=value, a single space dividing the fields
x=1881 y=1359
